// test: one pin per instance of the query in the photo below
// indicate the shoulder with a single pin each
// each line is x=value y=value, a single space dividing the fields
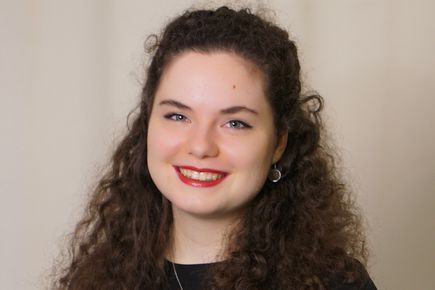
x=347 y=280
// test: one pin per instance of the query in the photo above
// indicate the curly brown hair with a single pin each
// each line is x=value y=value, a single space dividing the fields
x=303 y=232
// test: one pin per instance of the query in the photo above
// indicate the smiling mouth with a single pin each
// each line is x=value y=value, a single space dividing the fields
x=199 y=177
x=196 y=175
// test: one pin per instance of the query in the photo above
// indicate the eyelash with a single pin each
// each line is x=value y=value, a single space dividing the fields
x=240 y=125
x=175 y=117
x=233 y=124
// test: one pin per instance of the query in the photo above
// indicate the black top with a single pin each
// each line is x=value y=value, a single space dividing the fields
x=191 y=277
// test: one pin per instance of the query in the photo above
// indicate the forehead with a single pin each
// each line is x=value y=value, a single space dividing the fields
x=217 y=77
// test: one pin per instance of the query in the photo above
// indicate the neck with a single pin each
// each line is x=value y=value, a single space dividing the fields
x=197 y=240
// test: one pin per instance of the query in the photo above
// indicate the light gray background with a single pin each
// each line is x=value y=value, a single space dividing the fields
x=70 y=71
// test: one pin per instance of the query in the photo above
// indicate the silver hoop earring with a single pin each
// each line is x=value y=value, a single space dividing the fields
x=274 y=174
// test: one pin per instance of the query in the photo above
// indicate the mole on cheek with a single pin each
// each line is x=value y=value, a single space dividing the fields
x=234 y=86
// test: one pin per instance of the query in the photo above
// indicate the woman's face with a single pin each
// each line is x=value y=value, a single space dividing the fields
x=211 y=137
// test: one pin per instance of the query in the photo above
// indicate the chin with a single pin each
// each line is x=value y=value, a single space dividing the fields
x=207 y=210
x=197 y=208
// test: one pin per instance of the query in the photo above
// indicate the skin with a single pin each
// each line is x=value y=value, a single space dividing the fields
x=210 y=111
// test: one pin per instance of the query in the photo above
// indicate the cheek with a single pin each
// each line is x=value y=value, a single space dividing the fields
x=254 y=154
x=162 y=147
x=162 y=144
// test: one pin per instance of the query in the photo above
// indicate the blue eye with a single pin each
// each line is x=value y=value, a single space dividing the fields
x=175 y=117
x=236 y=124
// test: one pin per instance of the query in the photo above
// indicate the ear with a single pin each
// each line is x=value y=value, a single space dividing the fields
x=281 y=144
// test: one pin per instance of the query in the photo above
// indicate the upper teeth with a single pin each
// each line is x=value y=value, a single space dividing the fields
x=203 y=176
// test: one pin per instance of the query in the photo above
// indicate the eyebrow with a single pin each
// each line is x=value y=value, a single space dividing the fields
x=227 y=111
x=176 y=104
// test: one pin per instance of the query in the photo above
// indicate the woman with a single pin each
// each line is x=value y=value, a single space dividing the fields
x=223 y=180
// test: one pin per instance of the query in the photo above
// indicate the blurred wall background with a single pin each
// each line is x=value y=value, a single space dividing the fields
x=70 y=71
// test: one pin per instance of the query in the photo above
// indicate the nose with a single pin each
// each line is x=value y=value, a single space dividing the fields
x=202 y=143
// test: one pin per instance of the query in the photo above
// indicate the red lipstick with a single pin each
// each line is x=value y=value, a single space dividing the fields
x=200 y=183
